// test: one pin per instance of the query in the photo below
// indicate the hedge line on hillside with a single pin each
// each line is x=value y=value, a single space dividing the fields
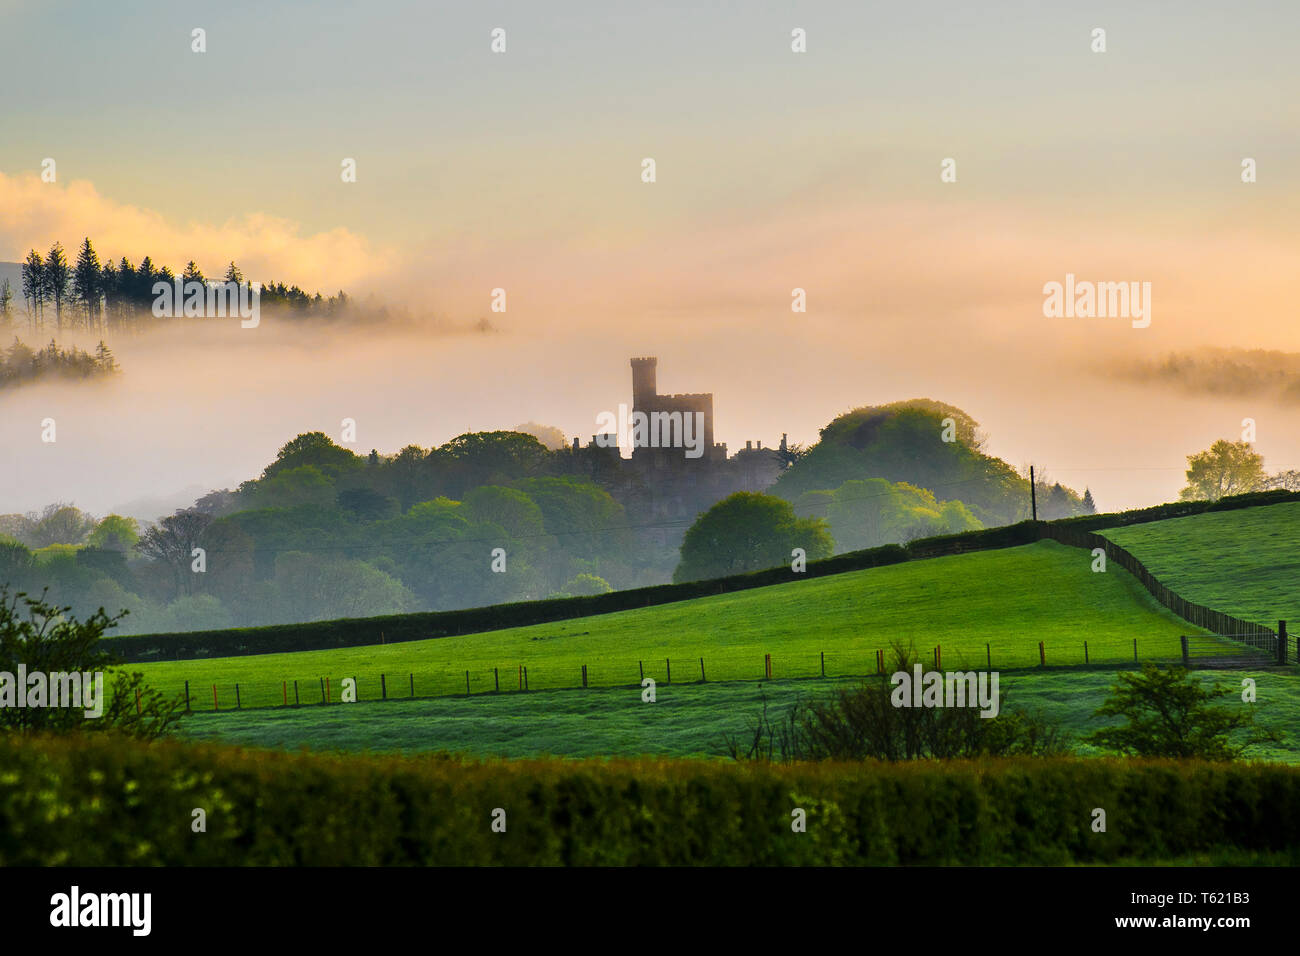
x=99 y=800
x=353 y=632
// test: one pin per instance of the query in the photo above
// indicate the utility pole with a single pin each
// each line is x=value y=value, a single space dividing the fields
x=1033 y=496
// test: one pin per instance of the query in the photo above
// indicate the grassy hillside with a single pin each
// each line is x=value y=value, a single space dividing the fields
x=1245 y=563
x=687 y=720
x=1010 y=599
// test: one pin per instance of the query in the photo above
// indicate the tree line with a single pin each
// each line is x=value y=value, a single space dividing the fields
x=95 y=295
x=20 y=363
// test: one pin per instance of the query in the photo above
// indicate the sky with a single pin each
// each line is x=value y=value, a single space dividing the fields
x=775 y=170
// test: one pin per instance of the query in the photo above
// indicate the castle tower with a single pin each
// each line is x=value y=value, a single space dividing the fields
x=644 y=383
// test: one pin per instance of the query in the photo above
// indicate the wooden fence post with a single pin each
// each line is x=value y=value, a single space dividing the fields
x=1281 y=642
x=238 y=704
x=641 y=664
x=1135 y=650
x=525 y=677
x=703 y=679
x=467 y=683
x=1187 y=657
x=383 y=687
x=668 y=664
x=823 y=663
x=938 y=657
x=215 y=705
x=496 y=678
x=412 y=685
x=1085 y=652
x=988 y=655
x=1042 y=655
x=296 y=701
x=187 y=697
x=584 y=675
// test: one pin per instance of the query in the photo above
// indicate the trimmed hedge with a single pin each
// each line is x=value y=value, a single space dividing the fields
x=99 y=800
x=354 y=632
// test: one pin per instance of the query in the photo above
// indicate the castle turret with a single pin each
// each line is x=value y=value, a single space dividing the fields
x=644 y=383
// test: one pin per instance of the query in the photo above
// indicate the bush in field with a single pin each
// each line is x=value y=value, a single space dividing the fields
x=1170 y=713
x=47 y=639
x=863 y=722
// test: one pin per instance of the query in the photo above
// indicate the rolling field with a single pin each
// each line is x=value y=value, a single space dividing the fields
x=1009 y=599
x=1245 y=563
x=687 y=720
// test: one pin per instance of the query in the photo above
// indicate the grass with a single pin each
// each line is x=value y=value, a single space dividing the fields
x=1009 y=599
x=687 y=720
x=1245 y=563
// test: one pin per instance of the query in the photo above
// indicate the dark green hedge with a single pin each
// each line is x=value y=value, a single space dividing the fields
x=353 y=632
x=99 y=800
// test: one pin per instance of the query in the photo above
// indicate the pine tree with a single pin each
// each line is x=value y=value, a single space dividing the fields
x=6 y=301
x=34 y=282
x=87 y=282
x=234 y=275
x=57 y=275
x=1089 y=506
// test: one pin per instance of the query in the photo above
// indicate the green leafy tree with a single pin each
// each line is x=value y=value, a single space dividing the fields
x=749 y=532
x=1170 y=712
x=42 y=637
x=115 y=533
x=1225 y=468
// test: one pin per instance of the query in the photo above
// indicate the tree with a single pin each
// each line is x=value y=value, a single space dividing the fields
x=550 y=436
x=1170 y=714
x=59 y=523
x=115 y=533
x=57 y=273
x=749 y=532
x=192 y=273
x=6 y=302
x=173 y=540
x=1089 y=506
x=87 y=281
x=41 y=637
x=33 y=281
x=1283 y=481
x=233 y=274
x=1225 y=468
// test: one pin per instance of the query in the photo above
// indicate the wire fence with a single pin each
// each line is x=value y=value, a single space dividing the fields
x=448 y=681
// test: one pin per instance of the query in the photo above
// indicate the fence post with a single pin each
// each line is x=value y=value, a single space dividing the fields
x=496 y=678
x=1085 y=652
x=215 y=705
x=467 y=683
x=823 y=663
x=412 y=685
x=703 y=679
x=328 y=693
x=988 y=655
x=383 y=687
x=187 y=697
x=238 y=705
x=1281 y=642
x=1042 y=655
x=296 y=701
x=1187 y=657
x=668 y=665
x=525 y=677
x=584 y=675
x=1135 y=650
x=938 y=657
x=641 y=664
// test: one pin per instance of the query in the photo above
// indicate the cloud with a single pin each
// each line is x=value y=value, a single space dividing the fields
x=267 y=248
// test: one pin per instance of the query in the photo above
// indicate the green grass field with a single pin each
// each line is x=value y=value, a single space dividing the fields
x=687 y=720
x=1245 y=563
x=1008 y=599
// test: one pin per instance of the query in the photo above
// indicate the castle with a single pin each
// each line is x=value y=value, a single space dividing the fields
x=662 y=486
